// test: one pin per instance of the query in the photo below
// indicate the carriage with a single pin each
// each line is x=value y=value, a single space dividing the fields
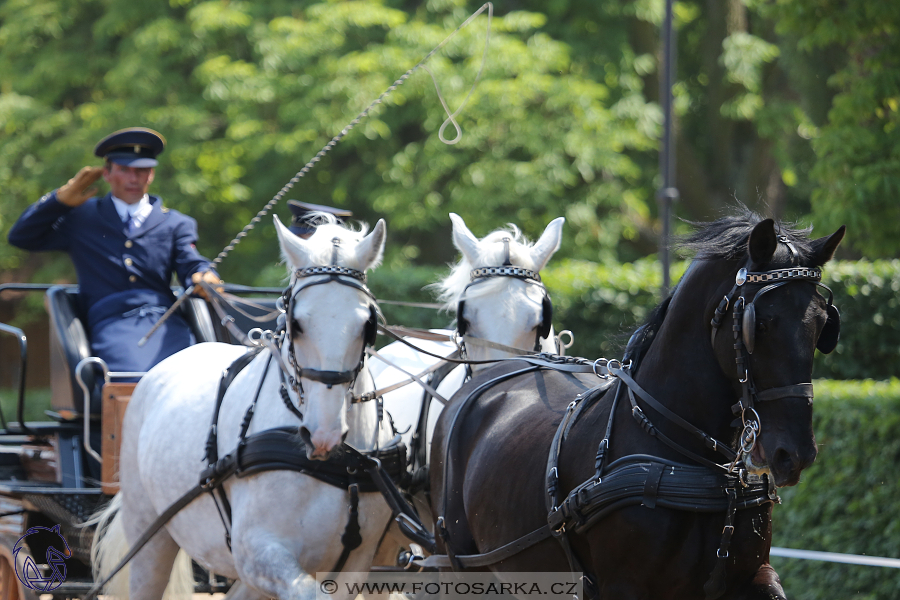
x=61 y=470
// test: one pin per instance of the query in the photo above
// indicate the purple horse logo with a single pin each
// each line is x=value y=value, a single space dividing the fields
x=27 y=570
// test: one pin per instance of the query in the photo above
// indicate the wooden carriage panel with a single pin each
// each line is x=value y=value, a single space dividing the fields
x=115 y=401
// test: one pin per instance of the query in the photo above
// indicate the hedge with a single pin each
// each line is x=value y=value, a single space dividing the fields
x=602 y=304
x=848 y=501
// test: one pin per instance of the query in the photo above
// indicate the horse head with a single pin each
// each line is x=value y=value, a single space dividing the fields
x=784 y=319
x=743 y=325
x=496 y=290
x=331 y=317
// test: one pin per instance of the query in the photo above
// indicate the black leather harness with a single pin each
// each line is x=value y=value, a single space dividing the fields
x=647 y=480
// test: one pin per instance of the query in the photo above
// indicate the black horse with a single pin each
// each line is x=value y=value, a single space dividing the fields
x=662 y=473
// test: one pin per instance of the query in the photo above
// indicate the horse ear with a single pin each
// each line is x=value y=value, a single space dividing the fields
x=824 y=247
x=549 y=243
x=463 y=239
x=370 y=249
x=763 y=242
x=293 y=248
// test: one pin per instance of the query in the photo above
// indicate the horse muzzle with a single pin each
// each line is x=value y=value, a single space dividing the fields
x=321 y=445
x=784 y=465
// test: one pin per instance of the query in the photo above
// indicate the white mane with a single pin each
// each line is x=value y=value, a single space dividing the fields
x=491 y=253
x=319 y=248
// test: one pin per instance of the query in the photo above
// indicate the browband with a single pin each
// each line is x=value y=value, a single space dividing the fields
x=504 y=272
x=334 y=270
x=811 y=273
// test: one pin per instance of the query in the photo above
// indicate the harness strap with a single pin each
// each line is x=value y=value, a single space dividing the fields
x=711 y=443
x=351 y=538
x=468 y=561
x=391 y=334
x=471 y=340
x=418 y=447
x=715 y=586
x=416 y=378
x=217 y=300
x=405 y=515
x=800 y=390
x=212 y=447
x=156 y=526
x=412 y=379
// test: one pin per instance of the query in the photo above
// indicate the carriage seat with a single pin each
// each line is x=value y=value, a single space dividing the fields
x=69 y=344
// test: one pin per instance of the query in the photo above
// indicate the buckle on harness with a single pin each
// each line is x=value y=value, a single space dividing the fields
x=556 y=519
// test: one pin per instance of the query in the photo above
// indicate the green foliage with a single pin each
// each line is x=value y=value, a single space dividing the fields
x=603 y=304
x=847 y=501
x=856 y=175
x=36 y=402
x=866 y=293
x=246 y=93
x=409 y=285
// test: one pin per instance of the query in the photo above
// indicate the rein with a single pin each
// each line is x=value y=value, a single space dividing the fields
x=649 y=480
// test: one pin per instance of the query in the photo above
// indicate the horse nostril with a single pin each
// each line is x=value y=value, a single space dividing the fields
x=304 y=434
x=783 y=460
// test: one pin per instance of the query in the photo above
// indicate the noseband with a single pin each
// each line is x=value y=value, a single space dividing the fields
x=507 y=270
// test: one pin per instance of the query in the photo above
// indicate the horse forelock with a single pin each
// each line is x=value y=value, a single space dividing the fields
x=726 y=238
x=491 y=253
x=320 y=247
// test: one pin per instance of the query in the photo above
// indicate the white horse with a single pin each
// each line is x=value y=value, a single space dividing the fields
x=506 y=310
x=285 y=526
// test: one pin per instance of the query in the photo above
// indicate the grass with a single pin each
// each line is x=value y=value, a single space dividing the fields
x=36 y=402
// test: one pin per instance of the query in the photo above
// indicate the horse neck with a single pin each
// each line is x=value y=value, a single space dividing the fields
x=680 y=368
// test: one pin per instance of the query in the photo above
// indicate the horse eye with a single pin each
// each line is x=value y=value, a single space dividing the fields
x=296 y=330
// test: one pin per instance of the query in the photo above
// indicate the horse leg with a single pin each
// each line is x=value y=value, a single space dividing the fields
x=151 y=568
x=272 y=569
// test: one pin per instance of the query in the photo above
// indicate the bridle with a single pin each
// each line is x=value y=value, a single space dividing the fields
x=326 y=274
x=744 y=317
x=482 y=274
x=744 y=328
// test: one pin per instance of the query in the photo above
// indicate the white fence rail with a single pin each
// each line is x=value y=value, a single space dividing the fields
x=850 y=559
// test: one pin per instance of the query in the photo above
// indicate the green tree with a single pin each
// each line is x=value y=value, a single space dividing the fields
x=246 y=93
x=856 y=176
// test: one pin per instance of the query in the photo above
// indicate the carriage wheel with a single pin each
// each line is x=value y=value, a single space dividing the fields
x=10 y=586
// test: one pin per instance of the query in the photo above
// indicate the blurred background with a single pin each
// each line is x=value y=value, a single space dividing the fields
x=788 y=106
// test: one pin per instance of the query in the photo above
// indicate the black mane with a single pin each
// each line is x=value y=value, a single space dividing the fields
x=723 y=239
x=726 y=238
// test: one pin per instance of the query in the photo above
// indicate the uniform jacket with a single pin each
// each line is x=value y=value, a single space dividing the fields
x=124 y=278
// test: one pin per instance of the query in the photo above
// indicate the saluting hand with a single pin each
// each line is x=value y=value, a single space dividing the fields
x=208 y=277
x=78 y=189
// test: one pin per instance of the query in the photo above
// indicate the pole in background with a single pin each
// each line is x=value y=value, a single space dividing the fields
x=668 y=193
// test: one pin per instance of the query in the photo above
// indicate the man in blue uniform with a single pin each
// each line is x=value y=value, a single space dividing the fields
x=125 y=247
x=304 y=217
